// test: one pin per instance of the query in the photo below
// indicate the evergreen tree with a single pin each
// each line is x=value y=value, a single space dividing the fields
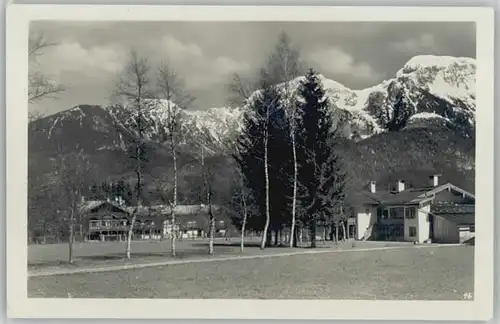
x=321 y=178
x=280 y=172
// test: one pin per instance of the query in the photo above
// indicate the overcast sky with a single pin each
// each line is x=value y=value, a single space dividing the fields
x=90 y=55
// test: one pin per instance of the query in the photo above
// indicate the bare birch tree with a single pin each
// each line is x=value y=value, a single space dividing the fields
x=244 y=208
x=134 y=87
x=175 y=99
x=72 y=170
x=208 y=188
x=240 y=90
x=284 y=66
x=39 y=85
x=255 y=139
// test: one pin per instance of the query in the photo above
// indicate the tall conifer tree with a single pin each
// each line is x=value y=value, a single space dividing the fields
x=321 y=178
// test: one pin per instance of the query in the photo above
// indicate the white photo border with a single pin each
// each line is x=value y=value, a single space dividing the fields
x=20 y=306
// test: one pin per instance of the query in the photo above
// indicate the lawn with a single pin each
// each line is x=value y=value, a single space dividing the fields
x=429 y=273
x=99 y=254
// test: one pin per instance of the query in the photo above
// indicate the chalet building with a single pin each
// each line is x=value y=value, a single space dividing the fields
x=435 y=213
x=110 y=220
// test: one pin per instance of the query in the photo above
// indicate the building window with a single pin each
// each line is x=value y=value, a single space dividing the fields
x=413 y=231
x=397 y=213
x=410 y=213
x=385 y=214
x=379 y=214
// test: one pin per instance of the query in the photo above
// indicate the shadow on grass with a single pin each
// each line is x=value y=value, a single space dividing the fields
x=180 y=254
x=58 y=263
x=237 y=244
x=117 y=257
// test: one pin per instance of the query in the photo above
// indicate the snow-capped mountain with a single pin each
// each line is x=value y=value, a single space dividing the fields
x=436 y=91
x=442 y=86
x=85 y=127
x=212 y=129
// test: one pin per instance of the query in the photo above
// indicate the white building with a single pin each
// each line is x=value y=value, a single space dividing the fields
x=439 y=213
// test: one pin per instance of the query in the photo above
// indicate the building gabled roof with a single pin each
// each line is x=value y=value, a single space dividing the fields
x=410 y=196
x=361 y=198
x=452 y=187
x=91 y=205
x=167 y=210
x=447 y=208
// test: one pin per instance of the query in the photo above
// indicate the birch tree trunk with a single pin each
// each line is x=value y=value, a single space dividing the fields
x=177 y=99
x=208 y=192
x=343 y=232
x=174 y=202
x=130 y=231
x=138 y=194
x=294 y=198
x=71 y=236
x=212 y=233
x=244 y=224
x=266 y=174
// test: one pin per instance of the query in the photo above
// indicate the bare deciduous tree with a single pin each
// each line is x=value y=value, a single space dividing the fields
x=239 y=90
x=133 y=86
x=284 y=65
x=72 y=170
x=207 y=184
x=175 y=99
x=39 y=85
x=244 y=209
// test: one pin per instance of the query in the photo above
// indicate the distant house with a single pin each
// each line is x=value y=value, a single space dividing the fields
x=109 y=220
x=439 y=213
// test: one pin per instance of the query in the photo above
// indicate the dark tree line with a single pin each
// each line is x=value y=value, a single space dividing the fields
x=264 y=157
x=113 y=190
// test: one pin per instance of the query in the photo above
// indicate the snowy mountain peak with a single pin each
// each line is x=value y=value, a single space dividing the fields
x=448 y=77
x=431 y=90
x=437 y=62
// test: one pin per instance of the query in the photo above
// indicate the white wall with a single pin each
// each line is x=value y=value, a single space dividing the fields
x=465 y=236
x=365 y=217
x=423 y=231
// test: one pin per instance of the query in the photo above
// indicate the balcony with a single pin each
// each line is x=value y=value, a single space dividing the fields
x=120 y=226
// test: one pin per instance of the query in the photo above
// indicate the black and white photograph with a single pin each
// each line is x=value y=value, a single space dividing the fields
x=255 y=159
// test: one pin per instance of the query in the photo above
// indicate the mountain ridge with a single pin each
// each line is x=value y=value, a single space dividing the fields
x=442 y=88
x=439 y=93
